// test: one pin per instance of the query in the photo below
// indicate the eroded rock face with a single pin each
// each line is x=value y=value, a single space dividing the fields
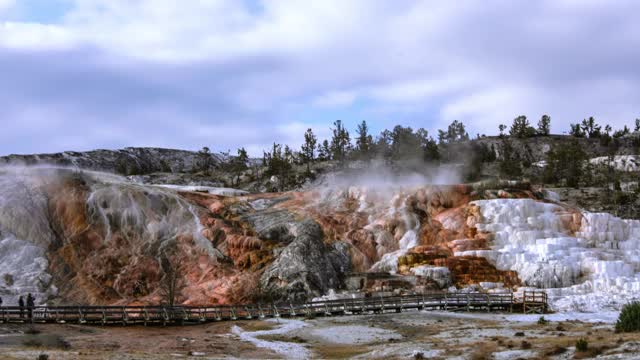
x=306 y=266
x=106 y=241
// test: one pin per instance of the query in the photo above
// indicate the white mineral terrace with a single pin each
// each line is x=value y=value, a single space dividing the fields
x=596 y=269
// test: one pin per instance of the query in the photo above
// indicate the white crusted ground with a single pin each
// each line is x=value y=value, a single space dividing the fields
x=619 y=162
x=596 y=269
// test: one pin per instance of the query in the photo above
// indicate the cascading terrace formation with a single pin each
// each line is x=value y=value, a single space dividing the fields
x=93 y=238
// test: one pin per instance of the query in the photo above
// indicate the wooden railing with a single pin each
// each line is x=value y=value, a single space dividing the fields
x=527 y=302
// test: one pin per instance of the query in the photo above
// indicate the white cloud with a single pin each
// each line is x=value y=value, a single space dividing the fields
x=222 y=68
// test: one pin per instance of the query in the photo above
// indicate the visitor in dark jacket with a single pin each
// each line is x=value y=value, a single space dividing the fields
x=21 y=305
x=30 y=304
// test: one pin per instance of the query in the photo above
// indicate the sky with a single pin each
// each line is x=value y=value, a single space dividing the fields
x=88 y=74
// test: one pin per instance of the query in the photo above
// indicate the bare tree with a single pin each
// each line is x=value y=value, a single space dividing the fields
x=172 y=281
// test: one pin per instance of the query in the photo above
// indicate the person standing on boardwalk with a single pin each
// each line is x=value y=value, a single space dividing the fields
x=21 y=305
x=30 y=303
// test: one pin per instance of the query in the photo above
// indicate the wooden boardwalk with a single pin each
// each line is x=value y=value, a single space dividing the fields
x=527 y=302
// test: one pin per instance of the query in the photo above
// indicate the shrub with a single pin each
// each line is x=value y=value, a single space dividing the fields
x=582 y=345
x=8 y=279
x=629 y=318
x=542 y=321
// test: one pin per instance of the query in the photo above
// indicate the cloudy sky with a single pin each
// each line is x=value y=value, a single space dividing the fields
x=85 y=74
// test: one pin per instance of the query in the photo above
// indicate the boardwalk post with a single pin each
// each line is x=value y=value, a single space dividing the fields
x=524 y=302
x=445 y=300
x=488 y=303
x=468 y=302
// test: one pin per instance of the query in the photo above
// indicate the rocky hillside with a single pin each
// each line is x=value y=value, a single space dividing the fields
x=535 y=148
x=131 y=160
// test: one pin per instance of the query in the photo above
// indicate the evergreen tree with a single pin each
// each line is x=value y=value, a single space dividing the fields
x=620 y=133
x=364 y=141
x=456 y=132
x=566 y=162
x=205 y=161
x=340 y=142
x=239 y=164
x=521 y=128
x=428 y=145
x=382 y=145
x=576 y=131
x=510 y=161
x=544 y=125
x=324 y=151
x=637 y=128
x=309 y=148
x=278 y=164
x=502 y=128
x=590 y=127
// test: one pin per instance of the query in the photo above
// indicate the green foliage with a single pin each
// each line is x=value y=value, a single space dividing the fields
x=308 y=149
x=544 y=125
x=629 y=318
x=565 y=162
x=205 y=161
x=502 y=128
x=510 y=160
x=637 y=128
x=542 y=321
x=278 y=164
x=480 y=154
x=591 y=128
x=605 y=139
x=407 y=144
x=238 y=164
x=576 y=131
x=340 y=142
x=621 y=133
x=582 y=345
x=324 y=151
x=364 y=142
x=456 y=132
x=521 y=128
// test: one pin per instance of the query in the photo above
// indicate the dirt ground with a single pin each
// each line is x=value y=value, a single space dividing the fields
x=428 y=335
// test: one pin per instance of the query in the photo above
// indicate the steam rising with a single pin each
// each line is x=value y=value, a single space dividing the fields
x=385 y=178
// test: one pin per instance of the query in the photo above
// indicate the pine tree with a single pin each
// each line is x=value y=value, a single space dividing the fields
x=576 y=131
x=205 y=161
x=510 y=160
x=364 y=141
x=309 y=148
x=590 y=127
x=279 y=164
x=544 y=125
x=340 y=142
x=521 y=128
x=502 y=128
x=324 y=151
x=239 y=164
